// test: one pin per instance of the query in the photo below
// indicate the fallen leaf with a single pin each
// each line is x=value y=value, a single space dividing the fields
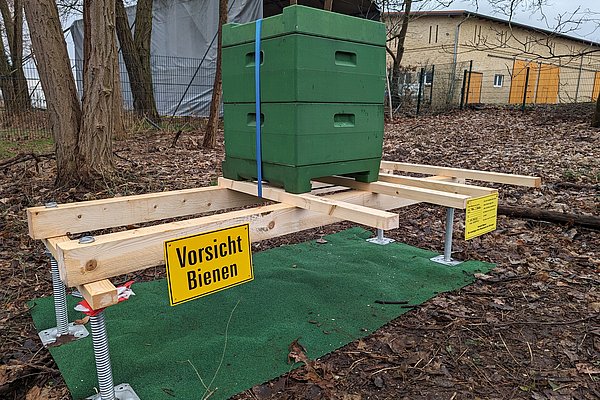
x=595 y=307
x=378 y=381
x=10 y=373
x=587 y=368
x=82 y=321
x=297 y=353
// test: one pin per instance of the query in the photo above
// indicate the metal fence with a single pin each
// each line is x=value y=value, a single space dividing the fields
x=438 y=88
x=423 y=89
x=174 y=78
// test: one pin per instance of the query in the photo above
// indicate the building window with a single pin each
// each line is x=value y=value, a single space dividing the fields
x=498 y=80
x=433 y=36
x=477 y=35
x=502 y=38
x=428 y=79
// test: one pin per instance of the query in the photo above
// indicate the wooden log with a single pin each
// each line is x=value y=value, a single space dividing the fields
x=587 y=221
x=484 y=176
x=339 y=209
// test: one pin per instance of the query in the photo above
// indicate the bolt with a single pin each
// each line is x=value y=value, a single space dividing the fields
x=86 y=239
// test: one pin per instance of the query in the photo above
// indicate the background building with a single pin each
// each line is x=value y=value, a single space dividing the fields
x=497 y=55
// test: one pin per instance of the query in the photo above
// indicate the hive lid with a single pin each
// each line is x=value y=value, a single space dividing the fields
x=309 y=21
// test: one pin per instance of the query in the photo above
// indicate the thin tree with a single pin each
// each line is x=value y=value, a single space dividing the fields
x=83 y=138
x=136 y=54
x=14 y=86
x=399 y=51
x=210 y=134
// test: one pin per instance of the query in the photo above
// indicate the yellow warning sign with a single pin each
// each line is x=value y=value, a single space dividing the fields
x=481 y=215
x=206 y=263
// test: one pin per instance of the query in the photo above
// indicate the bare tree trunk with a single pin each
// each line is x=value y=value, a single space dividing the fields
x=400 y=52
x=21 y=88
x=98 y=122
x=57 y=81
x=6 y=84
x=136 y=54
x=142 y=41
x=19 y=99
x=596 y=117
x=210 y=135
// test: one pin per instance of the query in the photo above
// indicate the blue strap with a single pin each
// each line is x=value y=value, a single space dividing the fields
x=258 y=119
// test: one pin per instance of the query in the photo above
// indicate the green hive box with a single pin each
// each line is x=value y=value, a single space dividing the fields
x=322 y=89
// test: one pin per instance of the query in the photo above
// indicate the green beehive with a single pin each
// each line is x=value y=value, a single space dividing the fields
x=322 y=88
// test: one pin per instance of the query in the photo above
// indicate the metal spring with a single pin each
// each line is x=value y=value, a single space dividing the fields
x=60 y=300
x=103 y=367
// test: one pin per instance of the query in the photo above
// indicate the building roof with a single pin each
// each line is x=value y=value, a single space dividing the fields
x=470 y=14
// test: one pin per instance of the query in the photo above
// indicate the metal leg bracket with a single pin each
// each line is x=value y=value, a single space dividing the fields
x=446 y=258
x=122 y=392
x=50 y=336
x=380 y=239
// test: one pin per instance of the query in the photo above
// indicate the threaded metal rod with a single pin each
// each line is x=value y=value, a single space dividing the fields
x=60 y=300
x=102 y=356
x=448 y=238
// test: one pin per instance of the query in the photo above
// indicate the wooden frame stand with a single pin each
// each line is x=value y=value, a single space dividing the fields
x=88 y=266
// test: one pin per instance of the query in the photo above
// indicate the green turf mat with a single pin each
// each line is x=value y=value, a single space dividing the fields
x=323 y=294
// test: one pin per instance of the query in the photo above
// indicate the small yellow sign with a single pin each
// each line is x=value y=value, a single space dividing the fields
x=481 y=215
x=206 y=263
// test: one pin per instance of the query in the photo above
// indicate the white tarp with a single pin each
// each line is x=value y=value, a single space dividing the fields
x=183 y=33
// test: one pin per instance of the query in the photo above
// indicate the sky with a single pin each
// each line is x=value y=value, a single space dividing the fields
x=588 y=29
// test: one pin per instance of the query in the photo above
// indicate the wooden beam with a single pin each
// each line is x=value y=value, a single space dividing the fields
x=128 y=210
x=99 y=294
x=51 y=243
x=485 y=176
x=128 y=251
x=450 y=187
x=408 y=192
x=339 y=209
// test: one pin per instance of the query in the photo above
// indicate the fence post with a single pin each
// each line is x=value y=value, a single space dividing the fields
x=525 y=90
x=431 y=87
x=462 y=90
x=468 y=83
x=387 y=82
x=578 y=79
x=421 y=78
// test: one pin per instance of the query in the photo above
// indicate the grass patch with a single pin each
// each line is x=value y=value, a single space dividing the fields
x=9 y=148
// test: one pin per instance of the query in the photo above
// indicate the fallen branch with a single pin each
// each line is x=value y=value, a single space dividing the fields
x=578 y=186
x=588 y=221
x=176 y=138
x=22 y=157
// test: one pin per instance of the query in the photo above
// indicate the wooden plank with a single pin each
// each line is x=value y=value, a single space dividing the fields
x=120 y=211
x=124 y=252
x=99 y=294
x=408 y=192
x=51 y=243
x=339 y=209
x=484 y=176
x=450 y=187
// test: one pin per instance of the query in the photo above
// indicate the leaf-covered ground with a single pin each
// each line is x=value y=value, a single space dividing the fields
x=530 y=329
